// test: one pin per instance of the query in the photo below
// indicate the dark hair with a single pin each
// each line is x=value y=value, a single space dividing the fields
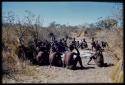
x=93 y=38
x=42 y=48
x=54 y=49
x=71 y=47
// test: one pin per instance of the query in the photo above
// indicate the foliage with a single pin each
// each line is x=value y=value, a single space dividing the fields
x=107 y=23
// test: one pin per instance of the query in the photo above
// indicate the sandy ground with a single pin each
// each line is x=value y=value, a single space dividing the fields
x=92 y=73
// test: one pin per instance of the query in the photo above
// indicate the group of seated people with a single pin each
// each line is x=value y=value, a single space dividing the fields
x=83 y=44
x=49 y=53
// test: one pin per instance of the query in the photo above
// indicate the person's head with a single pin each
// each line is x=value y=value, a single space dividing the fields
x=73 y=39
x=61 y=40
x=71 y=47
x=97 y=42
x=55 y=41
x=65 y=41
x=92 y=38
x=46 y=41
x=53 y=49
x=77 y=41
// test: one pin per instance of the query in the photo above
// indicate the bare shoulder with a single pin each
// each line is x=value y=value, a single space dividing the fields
x=74 y=53
x=40 y=52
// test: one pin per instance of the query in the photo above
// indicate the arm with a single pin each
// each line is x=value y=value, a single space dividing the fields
x=78 y=53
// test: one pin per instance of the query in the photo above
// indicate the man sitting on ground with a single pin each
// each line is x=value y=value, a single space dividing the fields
x=98 y=59
x=71 y=62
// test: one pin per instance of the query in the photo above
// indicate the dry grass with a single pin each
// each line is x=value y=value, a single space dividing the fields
x=12 y=65
x=115 y=42
x=117 y=73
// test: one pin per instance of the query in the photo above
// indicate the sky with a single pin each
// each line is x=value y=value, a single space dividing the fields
x=69 y=13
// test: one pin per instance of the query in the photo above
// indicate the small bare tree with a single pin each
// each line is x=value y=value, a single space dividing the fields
x=9 y=20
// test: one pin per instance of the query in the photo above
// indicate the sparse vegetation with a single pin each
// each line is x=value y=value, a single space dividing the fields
x=14 y=34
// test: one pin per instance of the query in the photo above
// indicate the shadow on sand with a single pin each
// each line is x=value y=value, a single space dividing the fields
x=91 y=64
x=108 y=65
x=105 y=64
x=85 y=68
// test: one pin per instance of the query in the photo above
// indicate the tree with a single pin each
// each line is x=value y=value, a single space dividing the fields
x=107 y=23
x=92 y=26
x=52 y=24
x=118 y=13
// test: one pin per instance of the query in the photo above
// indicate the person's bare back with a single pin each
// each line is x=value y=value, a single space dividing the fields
x=69 y=59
